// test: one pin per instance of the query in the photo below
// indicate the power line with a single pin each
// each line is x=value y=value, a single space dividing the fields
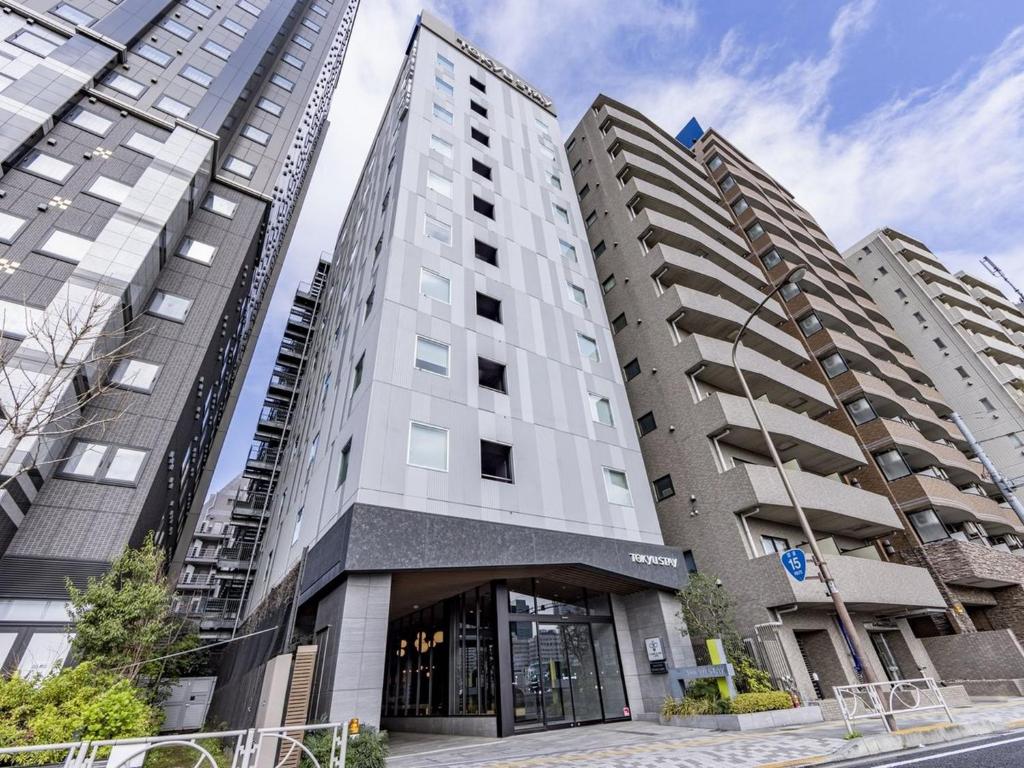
x=193 y=650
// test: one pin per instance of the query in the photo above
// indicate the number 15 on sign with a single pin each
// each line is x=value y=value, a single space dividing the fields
x=795 y=563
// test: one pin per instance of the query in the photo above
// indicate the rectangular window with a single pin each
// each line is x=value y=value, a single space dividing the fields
x=154 y=54
x=860 y=411
x=253 y=133
x=577 y=294
x=962 y=372
x=480 y=137
x=773 y=545
x=740 y=205
x=439 y=184
x=173 y=107
x=939 y=343
x=568 y=251
x=432 y=356
x=357 y=373
x=319 y=9
x=125 y=85
x=71 y=14
x=561 y=214
x=485 y=252
x=477 y=84
x=194 y=250
x=771 y=259
x=270 y=106
x=588 y=347
x=442 y=114
x=900 y=293
x=444 y=63
x=599 y=249
x=10 y=227
x=481 y=170
x=177 y=28
x=197 y=76
x=584 y=191
x=65 y=246
x=443 y=86
x=109 y=190
x=248 y=7
x=928 y=525
x=488 y=307
x=437 y=230
x=233 y=26
x=715 y=162
x=303 y=42
x=809 y=324
x=435 y=286
x=46 y=166
x=576 y=167
x=169 y=306
x=308 y=23
x=755 y=231
x=136 y=375
x=987 y=405
x=442 y=147
x=346 y=452
x=689 y=561
x=145 y=145
x=607 y=284
x=218 y=50
x=601 y=409
x=591 y=218
x=219 y=205
x=293 y=61
x=428 y=446
x=201 y=8
x=646 y=424
x=88 y=121
x=892 y=464
x=834 y=365
x=631 y=369
x=480 y=109
x=663 y=488
x=41 y=43
x=619 y=322
x=491 y=375
x=617 y=487
x=496 y=461
x=282 y=82
x=369 y=304
x=919 y=317
x=103 y=462
x=727 y=183
x=554 y=180
x=297 y=528
x=483 y=207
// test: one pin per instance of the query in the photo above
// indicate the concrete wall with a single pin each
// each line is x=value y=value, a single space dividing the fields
x=994 y=655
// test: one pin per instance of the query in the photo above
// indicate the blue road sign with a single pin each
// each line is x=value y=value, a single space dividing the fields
x=795 y=563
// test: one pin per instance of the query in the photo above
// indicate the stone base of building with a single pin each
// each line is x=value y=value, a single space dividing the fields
x=448 y=726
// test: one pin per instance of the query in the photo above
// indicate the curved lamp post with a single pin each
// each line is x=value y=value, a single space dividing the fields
x=794 y=276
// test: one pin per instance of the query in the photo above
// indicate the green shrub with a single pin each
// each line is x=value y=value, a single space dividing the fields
x=706 y=688
x=690 y=707
x=367 y=750
x=319 y=743
x=745 y=703
x=750 y=678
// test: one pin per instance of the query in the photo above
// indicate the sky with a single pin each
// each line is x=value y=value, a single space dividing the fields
x=902 y=113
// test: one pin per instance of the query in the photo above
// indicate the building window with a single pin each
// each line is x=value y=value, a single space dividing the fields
x=485 y=252
x=282 y=82
x=740 y=205
x=491 y=375
x=439 y=184
x=135 y=375
x=443 y=86
x=219 y=205
x=663 y=488
x=271 y=107
x=238 y=166
x=577 y=294
x=201 y=8
x=963 y=372
x=71 y=14
x=928 y=525
x=178 y=29
x=46 y=166
x=727 y=183
x=901 y=294
x=883 y=271
x=860 y=411
x=809 y=324
x=488 y=307
x=445 y=64
x=88 y=121
x=789 y=290
x=255 y=134
x=576 y=167
x=689 y=561
x=477 y=84
x=346 y=453
x=443 y=114
x=568 y=251
x=616 y=486
x=308 y=23
x=169 y=306
x=619 y=322
x=369 y=304
x=428 y=446
x=293 y=61
x=435 y=286
x=755 y=231
x=63 y=245
x=599 y=249
x=607 y=284
x=892 y=464
x=109 y=190
x=631 y=369
x=987 y=405
x=218 y=50
x=646 y=424
x=601 y=409
x=714 y=162
x=554 y=180
x=103 y=462
x=584 y=191
x=774 y=545
x=319 y=9
x=479 y=136
x=480 y=109
x=35 y=42
x=834 y=365
x=588 y=347
x=771 y=259
x=144 y=145
x=437 y=230
x=173 y=107
x=591 y=218
x=432 y=356
x=357 y=373
x=303 y=42
x=481 y=170
x=560 y=213
x=483 y=207
x=125 y=85
x=154 y=54
x=572 y=143
x=197 y=76
x=919 y=317
x=297 y=528
x=496 y=461
x=442 y=147
x=196 y=251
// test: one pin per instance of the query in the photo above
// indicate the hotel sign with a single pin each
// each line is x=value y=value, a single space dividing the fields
x=666 y=562
x=503 y=72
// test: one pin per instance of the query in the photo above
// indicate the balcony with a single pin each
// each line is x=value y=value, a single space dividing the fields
x=868 y=585
x=1000 y=351
x=884 y=433
x=912 y=250
x=1012 y=321
x=207 y=555
x=195 y=582
x=975 y=321
x=931 y=275
x=921 y=491
x=815 y=446
x=676 y=267
x=710 y=360
x=853 y=383
x=831 y=506
x=683 y=234
x=972 y=564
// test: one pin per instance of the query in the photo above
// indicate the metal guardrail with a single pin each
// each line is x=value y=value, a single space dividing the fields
x=882 y=701
x=247 y=747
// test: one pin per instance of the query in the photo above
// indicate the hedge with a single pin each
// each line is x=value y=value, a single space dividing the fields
x=745 y=703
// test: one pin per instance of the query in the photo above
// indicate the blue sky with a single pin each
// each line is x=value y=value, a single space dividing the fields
x=904 y=113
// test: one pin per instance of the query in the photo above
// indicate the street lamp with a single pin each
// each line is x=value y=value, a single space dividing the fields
x=795 y=275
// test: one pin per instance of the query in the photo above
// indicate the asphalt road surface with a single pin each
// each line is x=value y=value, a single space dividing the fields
x=1003 y=751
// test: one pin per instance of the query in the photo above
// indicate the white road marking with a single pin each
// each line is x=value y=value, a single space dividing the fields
x=912 y=761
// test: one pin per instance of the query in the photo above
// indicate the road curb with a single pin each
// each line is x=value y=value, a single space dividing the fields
x=911 y=738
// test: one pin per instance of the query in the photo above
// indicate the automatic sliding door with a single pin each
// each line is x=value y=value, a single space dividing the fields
x=554 y=676
x=586 y=692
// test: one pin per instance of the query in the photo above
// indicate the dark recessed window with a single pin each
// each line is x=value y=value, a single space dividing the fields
x=477 y=84
x=481 y=170
x=860 y=410
x=481 y=206
x=892 y=464
x=809 y=324
x=343 y=466
x=480 y=136
x=357 y=374
x=771 y=259
x=591 y=218
x=584 y=191
x=486 y=252
x=491 y=374
x=488 y=307
x=663 y=488
x=689 y=561
x=607 y=284
x=631 y=369
x=480 y=109
x=576 y=167
x=496 y=461
x=834 y=365
x=646 y=423
x=619 y=322
x=599 y=249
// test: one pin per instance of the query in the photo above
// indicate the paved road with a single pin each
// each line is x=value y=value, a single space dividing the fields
x=1001 y=751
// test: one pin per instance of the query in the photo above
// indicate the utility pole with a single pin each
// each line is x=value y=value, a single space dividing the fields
x=1004 y=485
x=992 y=267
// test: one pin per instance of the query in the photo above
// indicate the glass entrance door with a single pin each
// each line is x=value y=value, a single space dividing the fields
x=886 y=656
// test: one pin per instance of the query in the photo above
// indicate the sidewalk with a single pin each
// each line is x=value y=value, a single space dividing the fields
x=635 y=744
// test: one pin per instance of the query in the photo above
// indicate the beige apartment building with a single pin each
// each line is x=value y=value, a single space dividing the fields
x=687 y=243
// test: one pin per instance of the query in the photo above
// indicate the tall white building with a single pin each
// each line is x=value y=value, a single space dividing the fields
x=464 y=503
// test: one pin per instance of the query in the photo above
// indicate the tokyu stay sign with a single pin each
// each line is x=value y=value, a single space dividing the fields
x=503 y=72
x=667 y=562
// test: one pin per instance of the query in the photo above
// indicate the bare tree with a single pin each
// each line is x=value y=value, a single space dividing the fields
x=64 y=362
